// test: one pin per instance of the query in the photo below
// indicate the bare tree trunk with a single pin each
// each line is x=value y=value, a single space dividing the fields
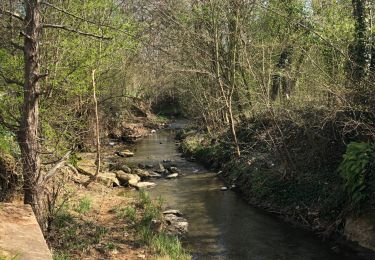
x=28 y=132
x=226 y=94
x=97 y=132
x=97 y=129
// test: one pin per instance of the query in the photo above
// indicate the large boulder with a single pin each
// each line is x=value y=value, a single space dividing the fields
x=109 y=179
x=86 y=166
x=176 y=225
x=141 y=173
x=127 y=178
x=120 y=166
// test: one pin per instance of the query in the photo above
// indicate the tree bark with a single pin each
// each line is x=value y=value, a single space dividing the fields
x=28 y=132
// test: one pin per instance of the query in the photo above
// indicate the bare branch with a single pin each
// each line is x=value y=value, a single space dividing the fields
x=119 y=96
x=80 y=18
x=57 y=166
x=13 y=14
x=66 y=28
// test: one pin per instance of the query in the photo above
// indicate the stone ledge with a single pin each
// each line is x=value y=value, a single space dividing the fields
x=20 y=234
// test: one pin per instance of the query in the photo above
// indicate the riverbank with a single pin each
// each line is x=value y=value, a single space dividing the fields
x=111 y=218
x=105 y=222
x=309 y=193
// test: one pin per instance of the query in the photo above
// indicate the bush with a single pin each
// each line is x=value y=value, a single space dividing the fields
x=356 y=169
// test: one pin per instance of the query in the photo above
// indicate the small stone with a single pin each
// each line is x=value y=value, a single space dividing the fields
x=172 y=176
x=174 y=170
x=173 y=212
x=142 y=185
x=160 y=168
x=155 y=175
x=224 y=188
x=125 y=153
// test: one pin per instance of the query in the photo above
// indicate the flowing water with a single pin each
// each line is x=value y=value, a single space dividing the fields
x=221 y=224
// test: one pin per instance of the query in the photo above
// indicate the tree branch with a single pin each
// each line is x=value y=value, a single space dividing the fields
x=80 y=18
x=119 y=96
x=66 y=28
x=10 y=81
x=57 y=166
x=13 y=14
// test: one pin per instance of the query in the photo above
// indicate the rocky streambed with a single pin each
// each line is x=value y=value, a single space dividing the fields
x=119 y=170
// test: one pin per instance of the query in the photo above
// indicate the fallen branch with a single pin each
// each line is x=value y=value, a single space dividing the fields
x=57 y=166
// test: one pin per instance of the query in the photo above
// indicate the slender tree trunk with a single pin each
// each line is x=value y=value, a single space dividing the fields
x=227 y=95
x=97 y=125
x=28 y=132
x=97 y=132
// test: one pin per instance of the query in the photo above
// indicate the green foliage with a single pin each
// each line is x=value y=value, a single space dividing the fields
x=61 y=256
x=8 y=142
x=357 y=165
x=128 y=213
x=163 y=244
x=84 y=205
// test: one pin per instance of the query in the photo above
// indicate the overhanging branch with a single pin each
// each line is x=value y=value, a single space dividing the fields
x=13 y=14
x=82 y=19
x=69 y=29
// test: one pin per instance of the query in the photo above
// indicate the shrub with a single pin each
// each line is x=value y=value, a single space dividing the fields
x=356 y=169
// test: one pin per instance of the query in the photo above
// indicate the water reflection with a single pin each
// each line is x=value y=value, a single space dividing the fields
x=222 y=225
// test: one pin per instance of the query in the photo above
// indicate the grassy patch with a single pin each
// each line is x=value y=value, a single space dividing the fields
x=84 y=205
x=147 y=222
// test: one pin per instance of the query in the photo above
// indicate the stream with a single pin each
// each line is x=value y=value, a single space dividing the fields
x=221 y=224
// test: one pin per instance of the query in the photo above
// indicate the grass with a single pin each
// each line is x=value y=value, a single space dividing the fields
x=84 y=205
x=163 y=244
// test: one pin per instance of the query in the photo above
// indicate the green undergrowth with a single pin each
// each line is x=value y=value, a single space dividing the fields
x=145 y=217
x=74 y=229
